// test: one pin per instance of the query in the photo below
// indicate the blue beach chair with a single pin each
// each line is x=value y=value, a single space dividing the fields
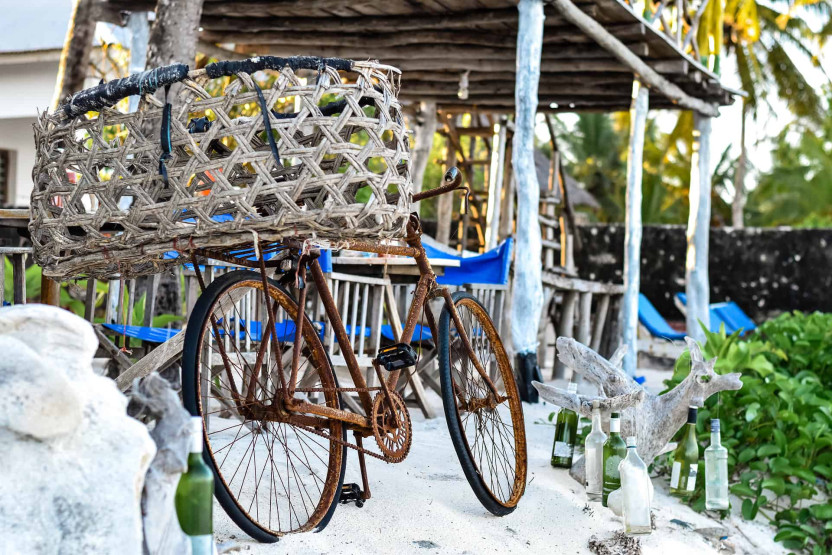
x=728 y=313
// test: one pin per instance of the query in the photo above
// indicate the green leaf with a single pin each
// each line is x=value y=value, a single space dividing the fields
x=751 y=411
x=768 y=450
x=821 y=512
x=776 y=484
x=746 y=455
x=749 y=509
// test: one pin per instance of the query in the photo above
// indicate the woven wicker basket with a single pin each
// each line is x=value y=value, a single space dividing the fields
x=101 y=205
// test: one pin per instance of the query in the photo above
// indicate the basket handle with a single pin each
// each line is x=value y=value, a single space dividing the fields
x=257 y=63
x=108 y=94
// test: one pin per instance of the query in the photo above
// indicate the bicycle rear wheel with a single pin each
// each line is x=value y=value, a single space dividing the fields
x=271 y=477
x=488 y=434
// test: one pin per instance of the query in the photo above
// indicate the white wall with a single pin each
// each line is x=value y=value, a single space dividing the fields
x=25 y=88
x=17 y=135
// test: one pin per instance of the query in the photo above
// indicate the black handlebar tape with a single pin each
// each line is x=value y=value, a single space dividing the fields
x=251 y=65
x=108 y=94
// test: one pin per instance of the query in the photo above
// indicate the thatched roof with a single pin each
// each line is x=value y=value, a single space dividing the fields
x=434 y=42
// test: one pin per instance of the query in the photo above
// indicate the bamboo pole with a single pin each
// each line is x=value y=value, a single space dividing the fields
x=424 y=131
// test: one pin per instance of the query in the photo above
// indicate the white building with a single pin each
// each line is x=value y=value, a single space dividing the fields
x=32 y=34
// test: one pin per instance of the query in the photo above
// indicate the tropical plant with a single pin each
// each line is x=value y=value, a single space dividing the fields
x=778 y=427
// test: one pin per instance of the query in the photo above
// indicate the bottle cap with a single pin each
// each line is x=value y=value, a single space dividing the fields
x=692 y=415
x=715 y=424
x=631 y=441
x=614 y=415
x=572 y=387
x=596 y=405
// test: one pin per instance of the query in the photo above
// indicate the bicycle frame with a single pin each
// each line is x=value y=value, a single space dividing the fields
x=426 y=289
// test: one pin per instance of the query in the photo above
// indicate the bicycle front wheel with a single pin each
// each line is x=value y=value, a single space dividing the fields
x=272 y=477
x=488 y=433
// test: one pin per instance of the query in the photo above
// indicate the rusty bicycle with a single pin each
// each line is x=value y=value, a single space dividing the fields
x=275 y=427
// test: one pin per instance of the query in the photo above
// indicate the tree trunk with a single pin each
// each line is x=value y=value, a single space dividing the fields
x=653 y=419
x=75 y=57
x=174 y=33
x=738 y=206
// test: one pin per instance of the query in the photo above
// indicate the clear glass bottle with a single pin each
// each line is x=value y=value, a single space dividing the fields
x=565 y=430
x=685 y=460
x=635 y=492
x=614 y=452
x=594 y=455
x=716 y=471
x=194 y=499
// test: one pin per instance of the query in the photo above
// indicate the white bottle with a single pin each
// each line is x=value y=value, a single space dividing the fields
x=716 y=471
x=594 y=456
x=635 y=487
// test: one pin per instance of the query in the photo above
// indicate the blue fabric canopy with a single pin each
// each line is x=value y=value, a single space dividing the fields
x=491 y=267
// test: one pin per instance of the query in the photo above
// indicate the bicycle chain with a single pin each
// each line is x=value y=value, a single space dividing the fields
x=344 y=443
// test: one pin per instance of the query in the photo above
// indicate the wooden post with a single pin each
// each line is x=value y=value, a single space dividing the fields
x=424 y=131
x=699 y=221
x=72 y=70
x=495 y=187
x=445 y=203
x=139 y=36
x=738 y=206
x=528 y=285
x=174 y=33
x=632 y=234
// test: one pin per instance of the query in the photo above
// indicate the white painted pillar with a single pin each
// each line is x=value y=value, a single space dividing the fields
x=632 y=235
x=423 y=132
x=139 y=35
x=699 y=220
x=495 y=187
x=528 y=287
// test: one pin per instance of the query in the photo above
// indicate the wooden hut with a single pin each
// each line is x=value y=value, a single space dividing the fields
x=495 y=58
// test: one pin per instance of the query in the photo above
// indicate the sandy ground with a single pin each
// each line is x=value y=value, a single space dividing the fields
x=424 y=505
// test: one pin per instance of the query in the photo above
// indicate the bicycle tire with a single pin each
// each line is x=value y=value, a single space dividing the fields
x=191 y=396
x=481 y=481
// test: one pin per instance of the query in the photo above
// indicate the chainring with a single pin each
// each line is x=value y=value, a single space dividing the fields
x=394 y=441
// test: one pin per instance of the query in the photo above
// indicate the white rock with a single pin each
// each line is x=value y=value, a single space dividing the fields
x=73 y=461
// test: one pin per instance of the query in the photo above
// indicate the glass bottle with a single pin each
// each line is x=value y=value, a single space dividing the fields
x=716 y=471
x=635 y=492
x=565 y=429
x=614 y=452
x=194 y=499
x=685 y=460
x=594 y=455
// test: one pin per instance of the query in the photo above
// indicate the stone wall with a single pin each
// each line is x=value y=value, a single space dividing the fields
x=765 y=271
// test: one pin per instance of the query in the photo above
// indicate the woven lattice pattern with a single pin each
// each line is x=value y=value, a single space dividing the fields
x=101 y=207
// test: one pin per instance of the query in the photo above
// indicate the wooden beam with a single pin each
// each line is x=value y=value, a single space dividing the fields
x=699 y=222
x=159 y=358
x=633 y=227
x=647 y=75
x=219 y=52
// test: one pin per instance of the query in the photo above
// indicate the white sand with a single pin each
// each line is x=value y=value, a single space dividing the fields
x=425 y=505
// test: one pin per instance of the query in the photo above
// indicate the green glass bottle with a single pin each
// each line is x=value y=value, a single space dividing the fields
x=615 y=449
x=194 y=498
x=566 y=429
x=685 y=460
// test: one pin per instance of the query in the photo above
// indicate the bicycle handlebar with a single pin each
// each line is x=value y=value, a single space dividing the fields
x=108 y=94
x=452 y=180
x=252 y=65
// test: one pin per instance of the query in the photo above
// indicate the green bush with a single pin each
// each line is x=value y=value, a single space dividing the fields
x=778 y=427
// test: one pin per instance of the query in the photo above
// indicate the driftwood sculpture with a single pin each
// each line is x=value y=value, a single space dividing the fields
x=653 y=419
x=157 y=400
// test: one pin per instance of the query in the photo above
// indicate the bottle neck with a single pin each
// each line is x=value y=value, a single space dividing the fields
x=596 y=420
x=615 y=427
x=716 y=438
x=691 y=432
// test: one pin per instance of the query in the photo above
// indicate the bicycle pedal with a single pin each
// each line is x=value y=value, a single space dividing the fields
x=350 y=493
x=394 y=357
